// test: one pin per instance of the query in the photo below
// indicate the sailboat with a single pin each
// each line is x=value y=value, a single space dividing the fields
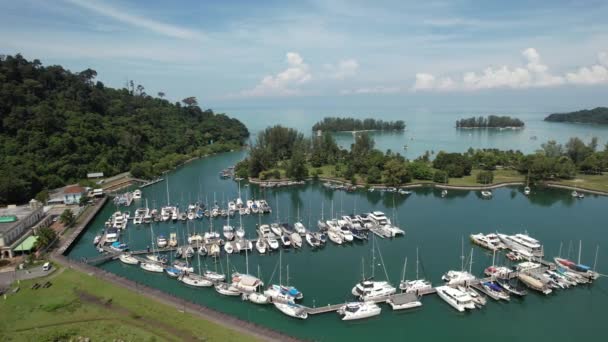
x=193 y=279
x=227 y=289
x=368 y=289
x=414 y=285
x=256 y=297
x=458 y=277
x=154 y=265
x=280 y=292
x=527 y=188
x=246 y=282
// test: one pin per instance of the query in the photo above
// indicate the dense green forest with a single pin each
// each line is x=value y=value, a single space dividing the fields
x=492 y=121
x=597 y=115
x=350 y=124
x=58 y=125
x=280 y=148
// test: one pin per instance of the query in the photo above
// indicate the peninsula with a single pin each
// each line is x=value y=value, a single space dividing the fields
x=597 y=115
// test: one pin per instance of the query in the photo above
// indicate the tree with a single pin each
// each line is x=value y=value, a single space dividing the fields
x=46 y=236
x=552 y=149
x=374 y=176
x=420 y=170
x=42 y=196
x=440 y=177
x=161 y=94
x=396 y=173
x=190 y=101
x=592 y=164
x=83 y=200
x=577 y=150
x=67 y=218
x=485 y=177
x=296 y=167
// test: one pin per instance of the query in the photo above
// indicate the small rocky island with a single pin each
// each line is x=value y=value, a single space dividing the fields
x=335 y=124
x=597 y=115
x=492 y=121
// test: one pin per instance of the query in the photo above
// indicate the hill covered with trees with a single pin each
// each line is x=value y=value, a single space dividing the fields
x=334 y=124
x=492 y=121
x=597 y=115
x=57 y=125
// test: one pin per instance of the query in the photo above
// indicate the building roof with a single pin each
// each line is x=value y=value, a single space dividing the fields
x=27 y=244
x=74 y=189
x=20 y=212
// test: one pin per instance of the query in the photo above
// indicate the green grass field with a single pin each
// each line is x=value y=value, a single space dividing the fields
x=77 y=305
x=500 y=176
x=593 y=182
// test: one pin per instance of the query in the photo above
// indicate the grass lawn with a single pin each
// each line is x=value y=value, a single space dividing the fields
x=593 y=182
x=77 y=305
x=500 y=176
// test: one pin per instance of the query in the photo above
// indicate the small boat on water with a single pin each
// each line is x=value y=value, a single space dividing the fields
x=172 y=239
x=335 y=237
x=403 y=302
x=260 y=245
x=312 y=240
x=358 y=310
x=273 y=243
x=512 y=288
x=486 y=193
x=444 y=193
x=299 y=228
x=128 y=259
x=577 y=194
x=285 y=241
x=173 y=272
x=97 y=239
x=214 y=276
x=227 y=289
x=161 y=241
x=228 y=247
x=137 y=194
x=193 y=279
x=151 y=267
x=228 y=232
x=527 y=191
x=296 y=240
x=256 y=297
x=292 y=309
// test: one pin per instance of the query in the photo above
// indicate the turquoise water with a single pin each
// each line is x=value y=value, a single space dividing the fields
x=428 y=129
x=434 y=224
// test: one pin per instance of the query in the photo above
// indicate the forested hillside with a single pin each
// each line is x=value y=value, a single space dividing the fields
x=597 y=115
x=57 y=125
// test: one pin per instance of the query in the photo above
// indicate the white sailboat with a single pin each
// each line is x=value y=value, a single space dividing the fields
x=368 y=289
x=416 y=285
x=152 y=265
x=358 y=310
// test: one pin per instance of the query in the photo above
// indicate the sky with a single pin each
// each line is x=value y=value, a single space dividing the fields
x=261 y=52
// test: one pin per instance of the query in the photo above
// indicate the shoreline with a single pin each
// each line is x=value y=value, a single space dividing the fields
x=433 y=185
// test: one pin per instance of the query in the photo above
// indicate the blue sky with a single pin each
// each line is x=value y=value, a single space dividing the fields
x=260 y=52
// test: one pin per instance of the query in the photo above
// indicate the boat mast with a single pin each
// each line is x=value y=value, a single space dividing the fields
x=168 y=189
x=559 y=254
x=280 y=267
x=287 y=281
x=471 y=263
x=462 y=254
x=373 y=256
x=246 y=261
x=580 y=246
x=403 y=273
x=416 y=263
x=493 y=257
x=276 y=199
x=597 y=249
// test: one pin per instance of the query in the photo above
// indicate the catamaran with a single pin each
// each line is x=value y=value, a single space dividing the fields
x=368 y=289
x=459 y=300
x=358 y=310
x=414 y=286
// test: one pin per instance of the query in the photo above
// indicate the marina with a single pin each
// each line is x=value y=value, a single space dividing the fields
x=322 y=297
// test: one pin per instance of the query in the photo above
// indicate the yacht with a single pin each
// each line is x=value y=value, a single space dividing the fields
x=511 y=288
x=292 y=309
x=484 y=241
x=368 y=289
x=285 y=241
x=260 y=245
x=459 y=300
x=172 y=239
x=264 y=230
x=183 y=266
x=457 y=277
x=402 y=302
x=581 y=269
x=312 y=240
x=347 y=235
x=227 y=289
x=414 y=286
x=296 y=240
x=477 y=298
x=379 y=218
x=137 y=194
x=256 y=297
x=246 y=282
x=214 y=276
x=495 y=291
x=228 y=247
x=151 y=267
x=358 y=310
x=276 y=229
x=128 y=259
x=173 y=272
x=522 y=242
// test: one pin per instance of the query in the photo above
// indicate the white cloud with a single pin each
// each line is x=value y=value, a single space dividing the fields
x=594 y=74
x=344 y=69
x=371 y=90
x=284 y=83
x=134 y=20
x=534 y=73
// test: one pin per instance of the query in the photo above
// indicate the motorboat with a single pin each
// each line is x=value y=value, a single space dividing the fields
x=228 y=247
x=485 y=241
x=137 y=194
x=195 y=239
x=246 y=282
x=359 y=234
x=152 y=267
x=137 y=220
x=522 y=242
x=296 y=240
x=335 y=237
x=193 y=279
x=444 y=193
x=459 y=300
x=479 y=299
x=403 y=302
x=415 y=286
x=173 y=272
x=128 y=259
x=260 y=245
x=156 y=258
x=527 y=191
x=312 y=240
x=276 y=229
x=228 y=232
x=97 y=239
x=299 y=228
x=368 y=289
x=358 y=310
x=511 y=288
x=273 y=243
x=497 y=271
x=292 y=309
x=256 y=297
x=227 y=289
x=183 y=266
x=172 y=239
x=494 y=291
x=379 y=218
x=161 y=241
x=534 y=283
x=486 y=193
x=285 y=241
x=240 y=232
x=346 y=234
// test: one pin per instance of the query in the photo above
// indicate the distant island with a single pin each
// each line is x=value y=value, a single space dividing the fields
x=597 y=115
x=334 y=124
x=492 y=121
